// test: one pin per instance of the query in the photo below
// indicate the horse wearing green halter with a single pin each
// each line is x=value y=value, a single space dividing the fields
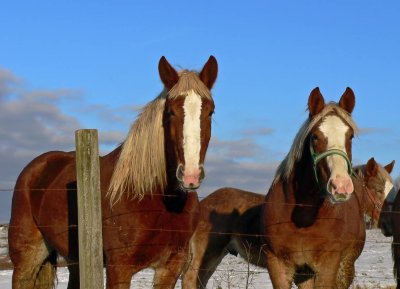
x=309 y=223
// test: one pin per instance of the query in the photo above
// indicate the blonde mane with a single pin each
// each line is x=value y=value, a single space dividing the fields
x=141 y=166
x=286 y=167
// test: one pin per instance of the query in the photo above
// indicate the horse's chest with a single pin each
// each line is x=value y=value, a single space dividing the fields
x=150 y=229
x=302 y=245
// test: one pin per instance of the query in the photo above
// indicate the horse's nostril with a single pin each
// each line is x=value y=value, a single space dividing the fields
x=202 y=173
x=179 y=173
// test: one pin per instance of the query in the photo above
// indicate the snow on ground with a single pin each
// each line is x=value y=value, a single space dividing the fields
x=373 y=269
x=3 y=240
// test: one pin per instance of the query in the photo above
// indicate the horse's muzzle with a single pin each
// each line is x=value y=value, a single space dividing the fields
x=190 y=179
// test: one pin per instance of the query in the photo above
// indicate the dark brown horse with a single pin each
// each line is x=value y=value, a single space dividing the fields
x=230 y=222
x=385 y=220
x=395 y=225
x=149 y=203
x=312 y=237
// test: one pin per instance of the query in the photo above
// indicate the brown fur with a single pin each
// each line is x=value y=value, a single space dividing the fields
x=230 y=223
x=152 y=230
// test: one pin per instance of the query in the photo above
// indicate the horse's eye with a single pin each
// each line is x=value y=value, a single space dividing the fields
x=211 y=113
x=314 y=138
x=170 y=113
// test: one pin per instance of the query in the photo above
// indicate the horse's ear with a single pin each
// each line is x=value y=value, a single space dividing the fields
x=168 y=74
x=371 y=168
x=316 y=102
x=348 y=100
x=389 y=167
x=209 y=73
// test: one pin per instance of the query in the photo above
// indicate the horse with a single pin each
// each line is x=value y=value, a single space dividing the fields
x=312 y=236
x=395 y=222
x=149 y=202
x=230 y=223
x=385 y=220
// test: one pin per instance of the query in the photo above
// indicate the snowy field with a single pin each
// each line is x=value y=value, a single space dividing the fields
x=373 y=269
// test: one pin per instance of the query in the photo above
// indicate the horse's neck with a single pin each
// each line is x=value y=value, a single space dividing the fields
x=174 y=203
x=303 y=183
x=107 y=165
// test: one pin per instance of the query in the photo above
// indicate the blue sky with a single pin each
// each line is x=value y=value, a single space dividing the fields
x=91 y=64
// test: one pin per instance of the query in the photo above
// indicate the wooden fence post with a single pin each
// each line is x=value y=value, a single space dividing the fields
x=89 y=210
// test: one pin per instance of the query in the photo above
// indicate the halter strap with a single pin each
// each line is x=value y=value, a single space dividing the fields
x=317 y=157
x=377 y=204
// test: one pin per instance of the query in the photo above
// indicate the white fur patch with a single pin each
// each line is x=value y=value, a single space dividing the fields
x=388 y=187
x=335 y=131
x=191 y=130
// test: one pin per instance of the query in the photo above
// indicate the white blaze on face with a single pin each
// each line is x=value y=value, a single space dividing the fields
x=191 y=132
x=335 y=131
x=388 y=187
x=339 y=182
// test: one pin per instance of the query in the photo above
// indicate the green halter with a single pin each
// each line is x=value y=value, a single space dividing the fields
x=317 y=157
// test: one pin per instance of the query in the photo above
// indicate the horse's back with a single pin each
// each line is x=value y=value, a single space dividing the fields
x=42 y=178
x=228 y=199
x=36 y=177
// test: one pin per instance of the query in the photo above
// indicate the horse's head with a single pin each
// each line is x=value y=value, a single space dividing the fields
x=331 y=143
x=378 y=183
x=385 y=222
x=187 y=120
x=385 y=218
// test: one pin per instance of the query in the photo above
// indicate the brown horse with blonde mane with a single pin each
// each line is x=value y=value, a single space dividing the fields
x=230 y=223
x=149 y=203
x=311 y=233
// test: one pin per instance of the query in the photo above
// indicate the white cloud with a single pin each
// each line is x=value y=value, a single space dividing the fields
x=372 y=130
x=260 y=131
x=31 y=123
x=242 y=164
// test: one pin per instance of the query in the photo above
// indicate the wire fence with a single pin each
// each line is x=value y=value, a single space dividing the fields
x=233 y=271
x=220 y=271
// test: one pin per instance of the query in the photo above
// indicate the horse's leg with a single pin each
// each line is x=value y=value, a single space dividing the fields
x=119 y=268
x=119 y=276
x=346 y=270
x=346 y=277
x=190 y=271
x=280 y=274
x=327 y=273
x=167 y=274
x=207 y=252
x=31 y=258
x=396 y=258
x=308 y=284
